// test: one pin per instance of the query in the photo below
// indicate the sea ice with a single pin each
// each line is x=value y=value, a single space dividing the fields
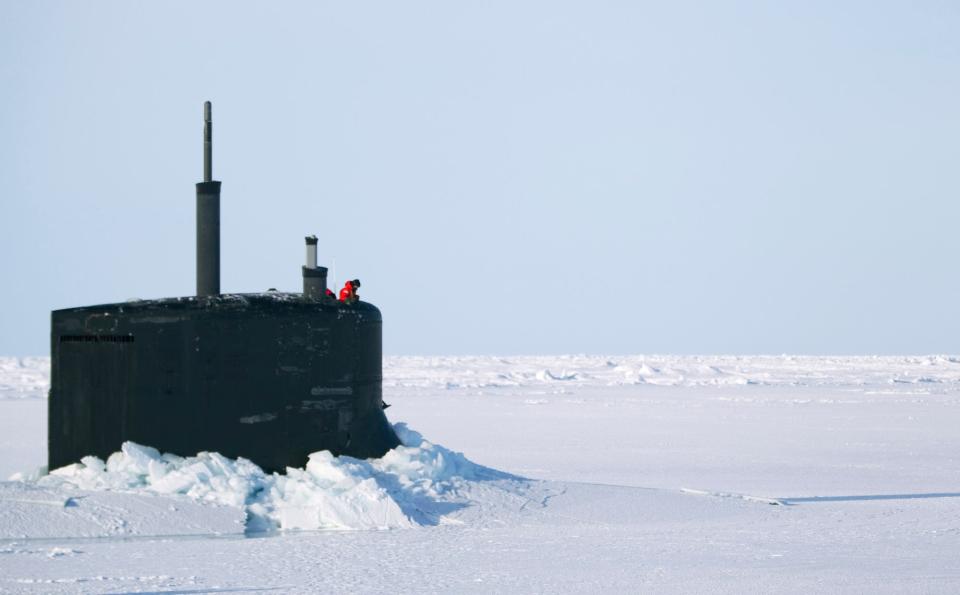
x=399 y=490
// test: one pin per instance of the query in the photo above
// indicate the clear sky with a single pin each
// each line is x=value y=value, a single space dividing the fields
x=504 y=177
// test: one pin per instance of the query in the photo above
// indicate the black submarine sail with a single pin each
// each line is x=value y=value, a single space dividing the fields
x=271 y=377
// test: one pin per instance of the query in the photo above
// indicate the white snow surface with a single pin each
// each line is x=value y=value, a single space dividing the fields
x=658 y=474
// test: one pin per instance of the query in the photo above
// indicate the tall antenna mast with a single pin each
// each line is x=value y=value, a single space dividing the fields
x=208 y=216
x=207 y=142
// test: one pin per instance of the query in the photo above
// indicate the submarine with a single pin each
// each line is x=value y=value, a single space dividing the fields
x=271 y=377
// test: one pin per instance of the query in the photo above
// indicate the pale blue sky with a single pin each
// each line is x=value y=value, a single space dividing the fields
x=504 y=177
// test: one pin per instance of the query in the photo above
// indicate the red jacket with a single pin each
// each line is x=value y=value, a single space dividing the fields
x=348 y=293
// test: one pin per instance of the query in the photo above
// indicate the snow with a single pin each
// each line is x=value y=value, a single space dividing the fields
x=581 y=474
x=30 y=514
x=592 y=371
x=24 y=377
x=408 y=487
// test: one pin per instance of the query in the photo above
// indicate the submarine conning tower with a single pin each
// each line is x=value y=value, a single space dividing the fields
x=270 y=376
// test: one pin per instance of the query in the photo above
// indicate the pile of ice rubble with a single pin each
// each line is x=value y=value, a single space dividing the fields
x=411 y=485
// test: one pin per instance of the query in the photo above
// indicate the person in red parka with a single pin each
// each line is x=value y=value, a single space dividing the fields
x=348 y=294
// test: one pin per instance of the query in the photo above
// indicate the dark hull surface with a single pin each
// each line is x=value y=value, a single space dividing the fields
x=269 y=377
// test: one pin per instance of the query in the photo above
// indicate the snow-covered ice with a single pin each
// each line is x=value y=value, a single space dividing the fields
x=24 y=377
x=578 y=473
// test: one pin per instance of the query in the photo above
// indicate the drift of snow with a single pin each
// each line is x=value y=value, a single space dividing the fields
x=409 y=486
